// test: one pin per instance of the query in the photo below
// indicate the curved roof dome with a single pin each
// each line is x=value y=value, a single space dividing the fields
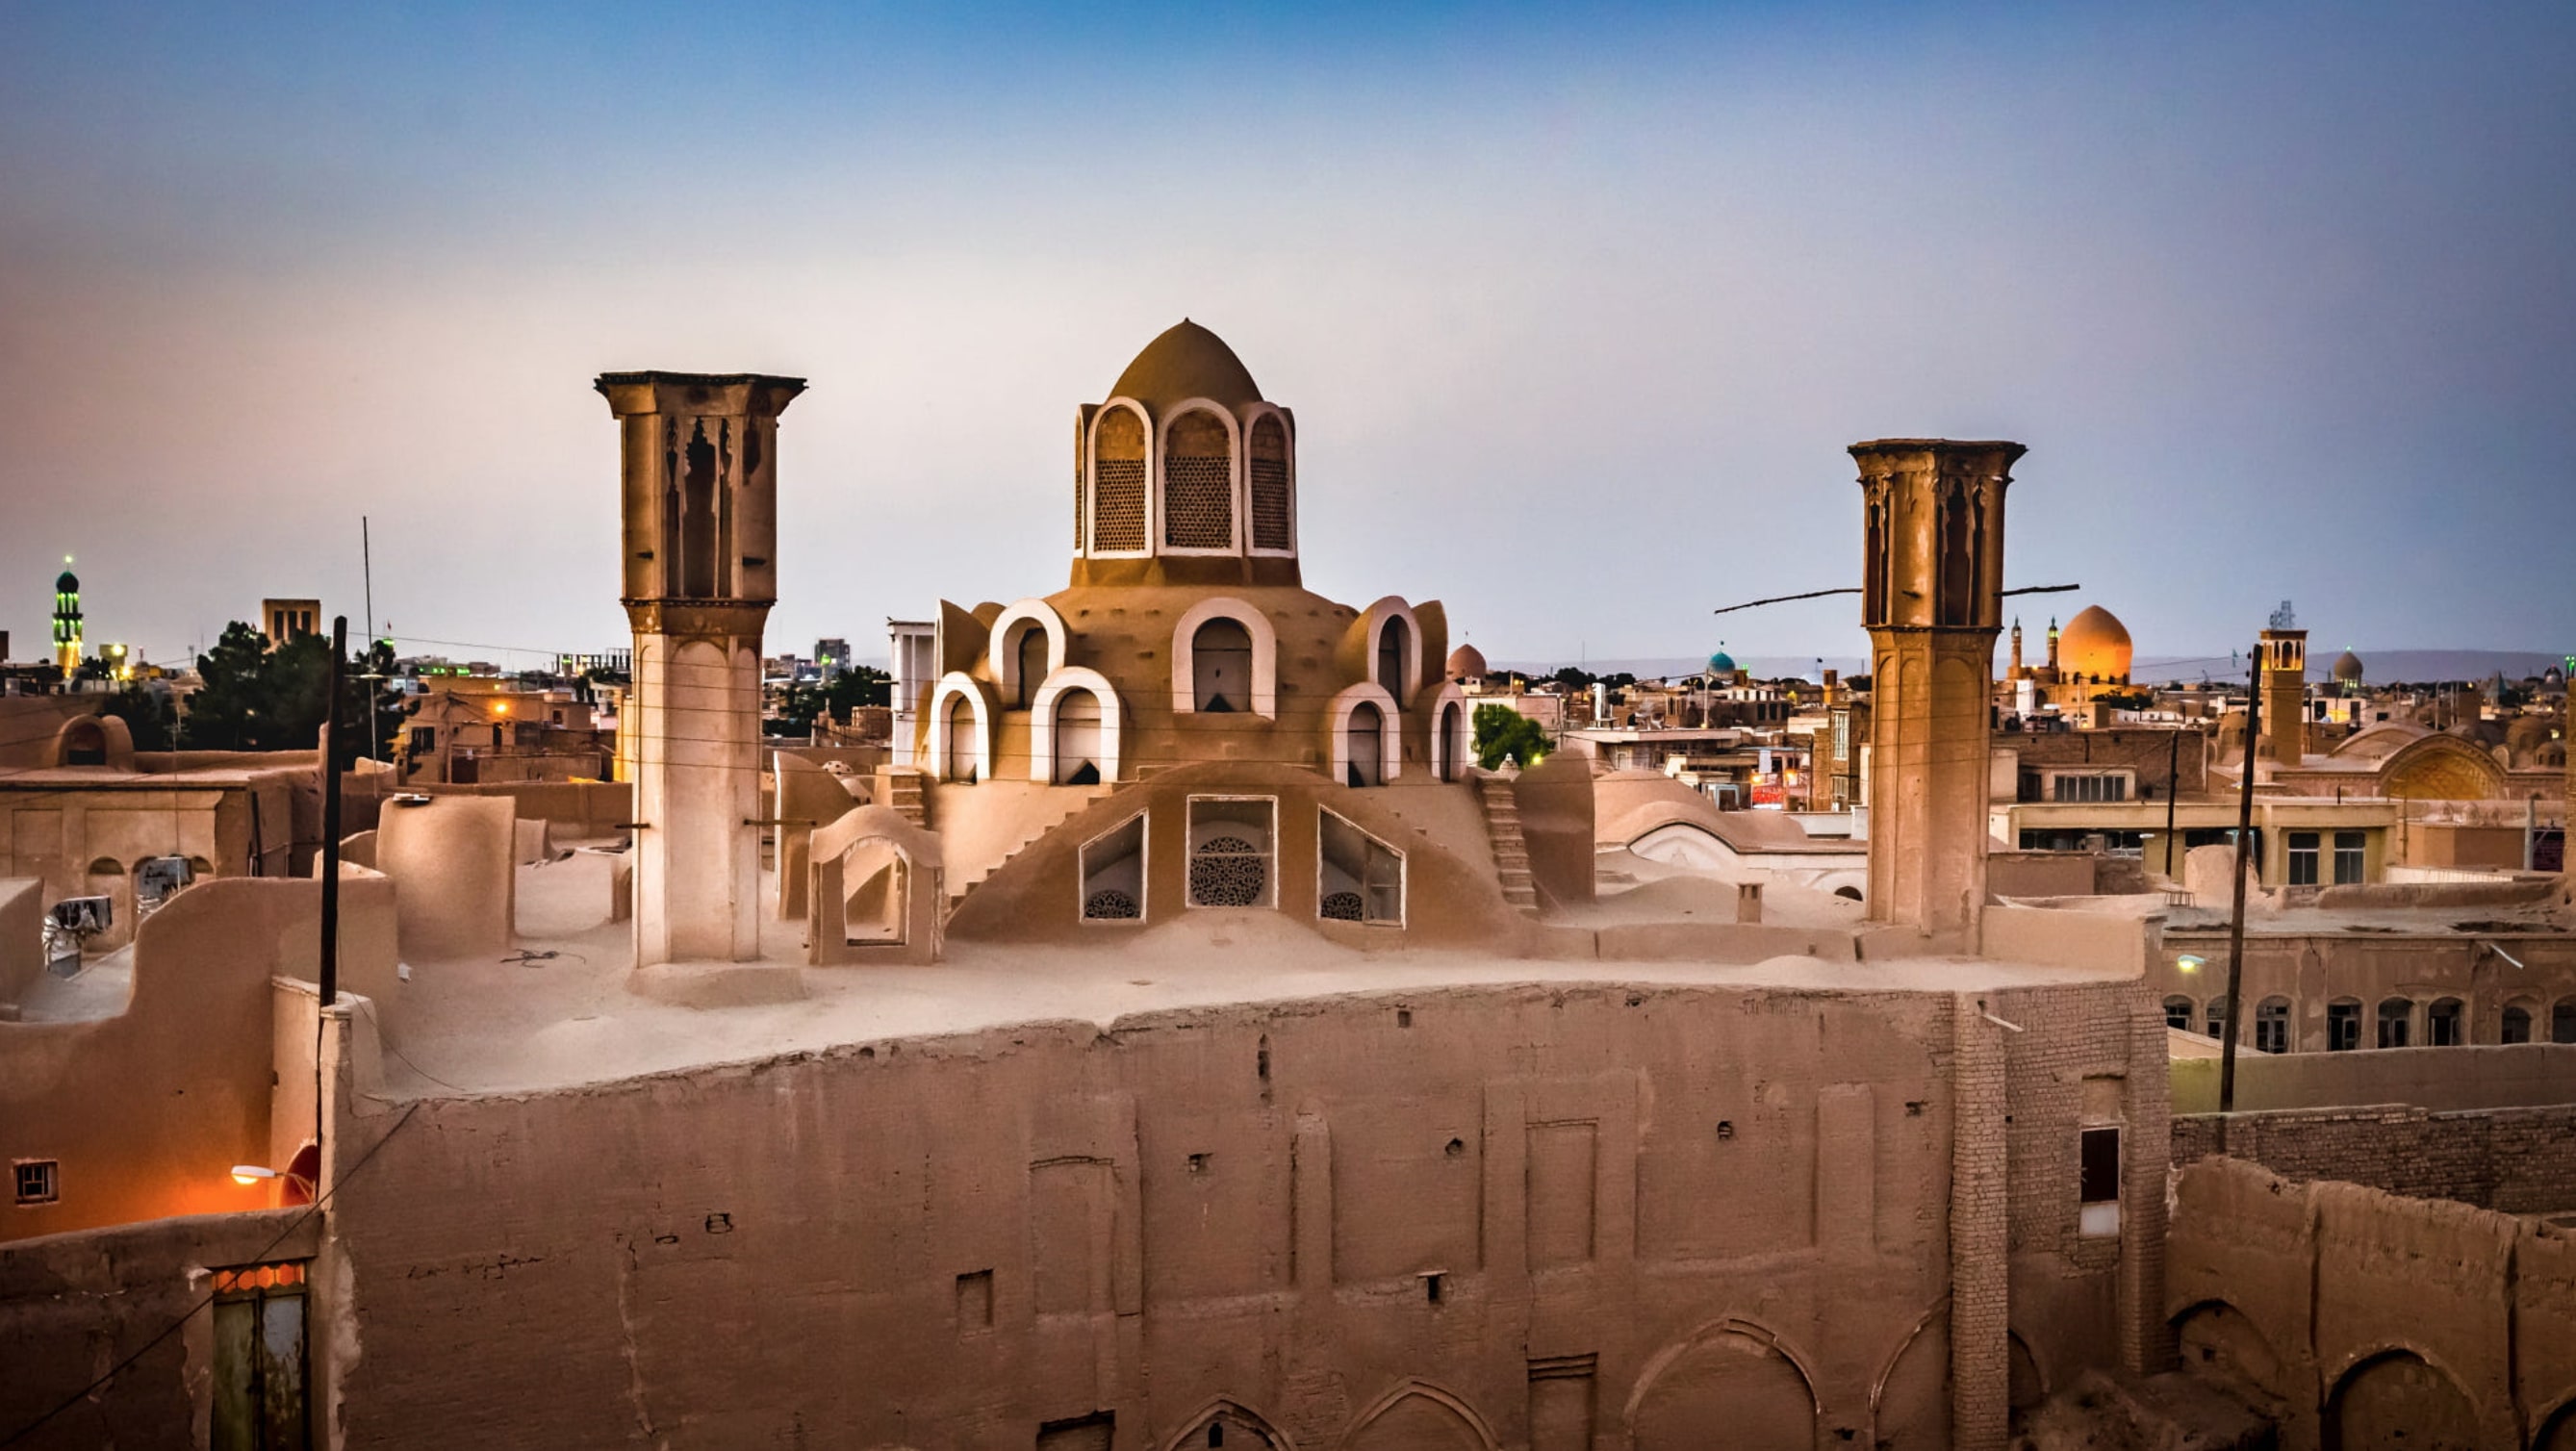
x=1187 y=361
x=1467 y=663
x=2347 y=666
x=1721 y=663
x=66 y=583
x=2095 y=644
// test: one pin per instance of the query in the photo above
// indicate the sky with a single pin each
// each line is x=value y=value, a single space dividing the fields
x=1578 y=307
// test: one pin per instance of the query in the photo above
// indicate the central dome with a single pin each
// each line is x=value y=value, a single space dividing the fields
x=2095 y=644
x=1187 y=361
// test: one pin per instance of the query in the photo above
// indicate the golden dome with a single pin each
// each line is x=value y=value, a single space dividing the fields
x=2094 y=645
x=1187 y=361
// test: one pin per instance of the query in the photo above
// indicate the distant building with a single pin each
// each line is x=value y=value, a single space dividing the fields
x=832 y=658
x=67 y=620
x=283 y=620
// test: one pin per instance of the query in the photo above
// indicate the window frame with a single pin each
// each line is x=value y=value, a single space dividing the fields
x=1190 y=853
x=1143 y=821
x=1403 y=875
x=49 y=1171
x=2356 y=846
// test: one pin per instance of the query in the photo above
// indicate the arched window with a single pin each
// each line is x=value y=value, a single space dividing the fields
x=1873 y=604
x=1198 y=483
x=2562 y=1021
x=2178 y=1012
x=2396 y=1016
x=1029 y=662
x=1118 y=483
x=1365 y=738
x=1272 y=526
x=1958 y=558
x=964 y=739
x=2516 y=1027
x=1077 y=739
x=1221 y=667
x=1391 y=643
x=2343 y=1025
x=2442 y=1024
x=2272 y=1026
x=2218 y=1018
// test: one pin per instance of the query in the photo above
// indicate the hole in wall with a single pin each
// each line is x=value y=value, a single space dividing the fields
x=1455 y=1147
x=1404 y=1017
x=1431 y=1287
x=1726 y=1128
x=1198 y=1163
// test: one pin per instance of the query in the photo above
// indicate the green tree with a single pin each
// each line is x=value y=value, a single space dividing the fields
x=859 y=685
x=147 y=715
x=255 y=698
x=1502 y=731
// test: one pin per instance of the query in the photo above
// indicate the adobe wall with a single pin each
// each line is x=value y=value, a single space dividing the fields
x=2495 y=1076
x=22 y=948
x=453 y=861
x=1521 y=1216
x=72 y=1305
x=2362 y=1318
x=576 y=809
x=147 y=1111
x=2514 y=1160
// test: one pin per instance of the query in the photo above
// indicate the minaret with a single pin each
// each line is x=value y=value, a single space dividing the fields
x=67 y=620
x=2015 y=672
x=2052 y=647
x=700 y=501
x=1932 y=563
x=2285 y=690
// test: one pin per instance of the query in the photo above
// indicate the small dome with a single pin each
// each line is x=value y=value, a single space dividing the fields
x=1467 y=663
x=2347 y=666
x=66 y=583
x=2094 y=644
x=1187 y=361
x=1721 y=663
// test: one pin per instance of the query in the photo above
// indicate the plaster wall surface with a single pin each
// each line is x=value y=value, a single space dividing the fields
x=22 y=956
x=2311 y=960
x=73 y=1304
x=2517 y=1160
x=1453 y=1216
x=145 y=1112
x=452 y=861
x=2518 y=1076
x=2362 y=1318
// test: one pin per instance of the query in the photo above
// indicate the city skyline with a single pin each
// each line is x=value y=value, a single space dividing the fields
x=1596 y=301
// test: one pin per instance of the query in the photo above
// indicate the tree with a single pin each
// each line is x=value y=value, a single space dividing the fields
x=859 y=685
x=147 y=715
x=255 y=698
x=1504 y=732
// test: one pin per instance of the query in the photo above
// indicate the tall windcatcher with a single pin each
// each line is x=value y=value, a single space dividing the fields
x=700 y=500
x=2285 y=688
x=1932 y=567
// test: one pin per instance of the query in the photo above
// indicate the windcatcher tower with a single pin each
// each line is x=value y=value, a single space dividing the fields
x=700 y=500
x=1932 y=562
x=2285 y=688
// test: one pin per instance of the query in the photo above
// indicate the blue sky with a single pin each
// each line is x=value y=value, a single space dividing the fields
x=1577 y=308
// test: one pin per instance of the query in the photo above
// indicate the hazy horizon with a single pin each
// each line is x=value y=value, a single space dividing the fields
x=1577 y=310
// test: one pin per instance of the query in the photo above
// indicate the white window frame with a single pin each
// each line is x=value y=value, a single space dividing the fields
x=1403 y=874
x=1190 y=851
x=1144 y=823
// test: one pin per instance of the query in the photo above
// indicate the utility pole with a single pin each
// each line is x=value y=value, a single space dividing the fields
x=2173 y=783
x=331 y=815
x=367 y=570
x=2236 y=921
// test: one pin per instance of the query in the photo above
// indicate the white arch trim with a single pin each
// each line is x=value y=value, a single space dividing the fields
x=955 y=683
x=1265 y=654
x=1447 y=696
x=1662 y=1361
x=1374 y=621
x=1196 y=1423
x=1091 y=478
x=1236 y=472
x=1042 y=721
x=1337 y=720
x=1012 y=623
x=1425 y=1390
x=1252 y=417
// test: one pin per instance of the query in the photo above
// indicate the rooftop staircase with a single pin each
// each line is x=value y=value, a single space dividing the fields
x=1511 y=851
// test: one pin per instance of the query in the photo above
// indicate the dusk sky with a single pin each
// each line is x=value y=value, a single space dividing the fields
x=1577 y=308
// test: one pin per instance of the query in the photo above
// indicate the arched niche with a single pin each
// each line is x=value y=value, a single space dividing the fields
x=1059 y=703
x=1729 y=1373
x=2399 y=1397
x=1338 y=722
x=1270 y=482
x=1419 y=1416
x=1262 y=699
x=2219 y=1342
x=1020 y=633
x=1452 y=738
x=1407 y=656
x=957 y=703
x=1910 y=1402
x=1119 y=512
x=874 y=890
x=94 y=740
x=1229 y=1425
x=1198 y=476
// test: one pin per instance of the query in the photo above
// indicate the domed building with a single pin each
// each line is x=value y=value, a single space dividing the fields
x=2348 y=672
x=2090 y=654
x=1466 y=664
x=1184 y=725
